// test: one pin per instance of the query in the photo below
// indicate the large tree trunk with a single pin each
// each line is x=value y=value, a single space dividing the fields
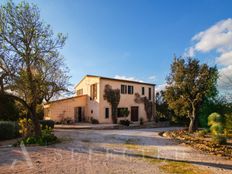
x=36 y=124
x=192 y=124
x=195 y=126
x=114 y=114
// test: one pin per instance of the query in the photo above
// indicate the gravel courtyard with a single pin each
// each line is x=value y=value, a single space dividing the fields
x=110 y=151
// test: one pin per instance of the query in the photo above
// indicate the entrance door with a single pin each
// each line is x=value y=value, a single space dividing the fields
x=134 y=113
x=79 y=114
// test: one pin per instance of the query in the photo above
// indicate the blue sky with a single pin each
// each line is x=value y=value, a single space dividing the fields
x=132 y=38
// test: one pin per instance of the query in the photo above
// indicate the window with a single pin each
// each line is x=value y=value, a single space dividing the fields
x=123 y=89
x=149 y=94
x=80 y=92
x=122 y=112
x=107 y=112
x=130 y=89
x=93 y=91
x=143 y=91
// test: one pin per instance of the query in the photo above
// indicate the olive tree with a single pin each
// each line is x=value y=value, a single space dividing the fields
x=31 y=67
x=188 y=84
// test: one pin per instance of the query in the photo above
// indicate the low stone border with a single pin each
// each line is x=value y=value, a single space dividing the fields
x=205 y=146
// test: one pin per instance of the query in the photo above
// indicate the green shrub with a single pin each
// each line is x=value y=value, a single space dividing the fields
x=26 y=127
x=124 y=122
x=214 y=118
x=216 y=128
x=46 y=138
x=141 y=122
x=228 y=121
x=47 y=124
x=30 y=140
x=66 y=120
x=8 y=130
x=228 y=124
x=202 y=132
x=215 y=123
x=219 y=139
x=94 y=121
x=8 y=109
x=209 y=105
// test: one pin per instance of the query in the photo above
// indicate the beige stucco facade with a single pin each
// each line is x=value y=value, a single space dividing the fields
x=65 y=108
x=89 y=101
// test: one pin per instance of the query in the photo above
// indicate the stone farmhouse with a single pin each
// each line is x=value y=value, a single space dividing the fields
x=89 y=102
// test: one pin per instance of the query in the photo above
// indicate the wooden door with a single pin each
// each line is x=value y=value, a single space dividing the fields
x=134 y=113
x=79 y=114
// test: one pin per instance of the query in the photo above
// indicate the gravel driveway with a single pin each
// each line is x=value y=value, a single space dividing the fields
x=108 y=151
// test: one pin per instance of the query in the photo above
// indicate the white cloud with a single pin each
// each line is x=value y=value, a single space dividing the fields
x=225 y=78
x=225 y=58
x=189 y=52
x=216 y=38
x=127 y=78
x=161 y=87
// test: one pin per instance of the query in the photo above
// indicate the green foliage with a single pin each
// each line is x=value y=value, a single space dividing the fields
x=124 y=122
x=163 y=112
x=40 y=111
x=30 y=62
x=94 y=121
x=219 y=139
x=125 y=112
x=26 y=127
x=66 y=120
x=8 y=130
x=8 y=109
x=218 y=104
x=228 y=124
x=30 y=140
x=113 y=97
x=46 y=138
x=202 y=133
x=228 y=121
x=47 y=124
x=141 y=122
x=214 y=119
x=148 y=108
x=216 y=127
x=188 y=84
x=147 y=105
x=179 y=120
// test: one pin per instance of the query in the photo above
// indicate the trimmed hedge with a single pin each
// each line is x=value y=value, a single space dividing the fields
x=8 y=130
x=48 y=123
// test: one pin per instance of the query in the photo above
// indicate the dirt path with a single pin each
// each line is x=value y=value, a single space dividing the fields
x=110 y=151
